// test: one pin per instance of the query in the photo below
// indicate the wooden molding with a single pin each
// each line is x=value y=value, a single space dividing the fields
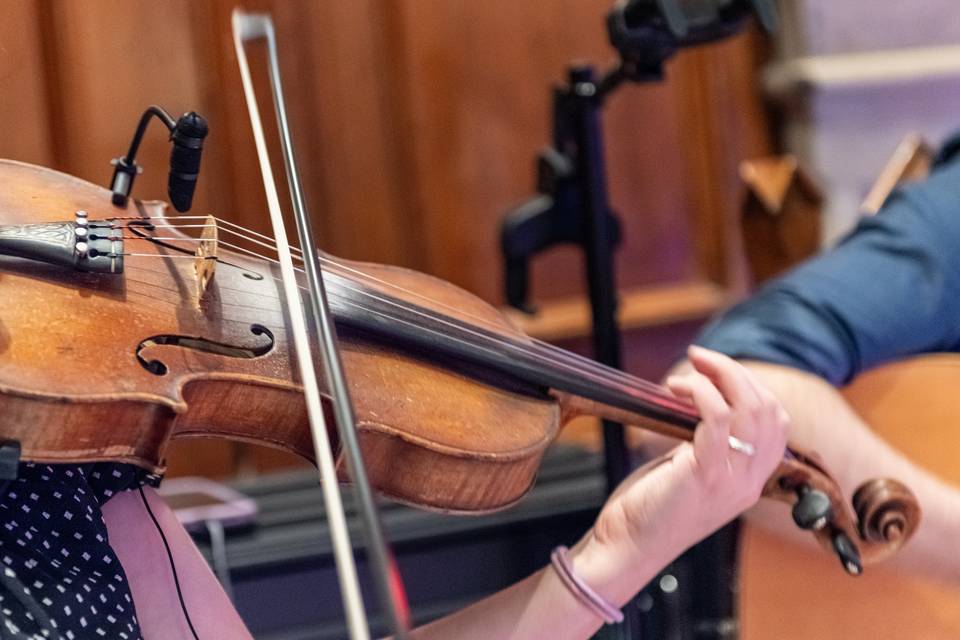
x=910 y=161
x=780 y=219
x=771 y=178
x=872 y=68
x=568 y=318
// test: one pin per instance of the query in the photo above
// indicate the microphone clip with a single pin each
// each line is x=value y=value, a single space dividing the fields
x=187 y=132
x=646 y=33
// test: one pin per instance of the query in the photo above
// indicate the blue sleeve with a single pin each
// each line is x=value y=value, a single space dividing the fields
x=890 y=289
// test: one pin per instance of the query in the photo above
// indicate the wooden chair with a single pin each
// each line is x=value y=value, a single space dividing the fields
x=781 y=213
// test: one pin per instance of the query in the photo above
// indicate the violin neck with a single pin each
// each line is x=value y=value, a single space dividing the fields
x=582 y=386
x=576 y=405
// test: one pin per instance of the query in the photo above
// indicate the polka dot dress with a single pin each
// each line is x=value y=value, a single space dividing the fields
x=59 y=577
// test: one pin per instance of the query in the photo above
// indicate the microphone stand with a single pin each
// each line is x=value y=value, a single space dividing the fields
x=573 y=208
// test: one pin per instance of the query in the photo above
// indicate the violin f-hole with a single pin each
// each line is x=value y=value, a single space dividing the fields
x=158 y=368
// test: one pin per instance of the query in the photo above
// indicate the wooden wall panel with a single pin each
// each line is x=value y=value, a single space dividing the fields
x=722 y=115
x=351 y=151
x=416 y=122
x=107 y=61
x=24 y=109
x=479 y=109
x=416 y=125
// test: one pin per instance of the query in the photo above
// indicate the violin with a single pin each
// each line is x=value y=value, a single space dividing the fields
x=121 y=331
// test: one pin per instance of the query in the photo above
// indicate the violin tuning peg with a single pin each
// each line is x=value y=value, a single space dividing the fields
x=848 y=553
x=812 y=510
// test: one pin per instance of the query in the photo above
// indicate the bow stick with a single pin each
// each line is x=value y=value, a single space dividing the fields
x=247 y=27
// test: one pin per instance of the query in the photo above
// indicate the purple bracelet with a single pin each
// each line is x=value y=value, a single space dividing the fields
x=581 y=590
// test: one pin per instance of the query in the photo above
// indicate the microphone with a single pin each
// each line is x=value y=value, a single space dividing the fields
x=187 y=137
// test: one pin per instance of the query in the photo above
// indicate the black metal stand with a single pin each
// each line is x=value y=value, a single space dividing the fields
x=713 y=585
x=572 y=207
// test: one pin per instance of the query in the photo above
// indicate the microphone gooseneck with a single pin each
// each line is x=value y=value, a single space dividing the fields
x=187 y=134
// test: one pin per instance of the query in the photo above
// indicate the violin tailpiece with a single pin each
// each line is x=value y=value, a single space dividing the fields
x=85 y=245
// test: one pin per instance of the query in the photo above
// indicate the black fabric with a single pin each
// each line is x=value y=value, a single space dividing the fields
x=60 y=577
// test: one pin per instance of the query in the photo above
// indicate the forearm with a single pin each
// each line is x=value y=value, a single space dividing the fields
x=823 y=422
x=139 y=545
x=540 y=606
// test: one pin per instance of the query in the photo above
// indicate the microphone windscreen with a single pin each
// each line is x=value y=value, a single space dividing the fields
x=187 y=138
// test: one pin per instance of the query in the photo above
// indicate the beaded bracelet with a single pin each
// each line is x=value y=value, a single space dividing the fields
x=581 y=590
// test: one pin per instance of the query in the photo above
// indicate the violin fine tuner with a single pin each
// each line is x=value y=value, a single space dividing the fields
x=82 y=244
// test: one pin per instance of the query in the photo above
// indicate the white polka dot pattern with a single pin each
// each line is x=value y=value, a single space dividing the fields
x=60 y=578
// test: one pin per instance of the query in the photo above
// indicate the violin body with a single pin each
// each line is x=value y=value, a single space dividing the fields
x=73 y=348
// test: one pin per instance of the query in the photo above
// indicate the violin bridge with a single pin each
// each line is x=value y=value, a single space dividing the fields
x=206 y=257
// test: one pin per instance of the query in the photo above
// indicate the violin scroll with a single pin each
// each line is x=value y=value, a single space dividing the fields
x=884 y=516
x=887 y=511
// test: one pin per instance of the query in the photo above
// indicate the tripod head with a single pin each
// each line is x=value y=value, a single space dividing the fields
x=648 y=32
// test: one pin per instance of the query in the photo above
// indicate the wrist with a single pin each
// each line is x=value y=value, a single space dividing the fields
x=617 y=572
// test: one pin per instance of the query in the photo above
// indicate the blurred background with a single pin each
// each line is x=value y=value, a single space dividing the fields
x=416 y=125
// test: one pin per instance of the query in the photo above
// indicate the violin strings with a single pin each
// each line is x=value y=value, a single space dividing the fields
x=646 y=388
x=154 y=255
x=572 y=362
x=179 y=226
x=334 y=263
x=222 y=225
x=152 y=238
x=229 y=245
x=571 y=359
x=576 y=364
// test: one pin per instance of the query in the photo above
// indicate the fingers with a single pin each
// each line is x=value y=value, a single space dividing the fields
x=741 y=390
x=733 y=379
x=710 y=440
x=705 y=482
x=751 y=413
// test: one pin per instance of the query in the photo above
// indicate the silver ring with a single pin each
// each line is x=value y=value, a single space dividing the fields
x=745 y=448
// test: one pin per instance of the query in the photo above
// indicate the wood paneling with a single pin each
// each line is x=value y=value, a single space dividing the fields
x=24 y=108
x=106 y=61
x=416 y=124
x=479 y=106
